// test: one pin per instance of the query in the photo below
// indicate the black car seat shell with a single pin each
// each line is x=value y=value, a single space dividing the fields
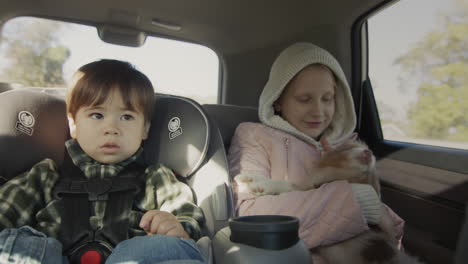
x=33 y=126
x=183 y=138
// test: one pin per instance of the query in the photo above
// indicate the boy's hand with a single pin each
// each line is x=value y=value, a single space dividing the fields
x=162 y=223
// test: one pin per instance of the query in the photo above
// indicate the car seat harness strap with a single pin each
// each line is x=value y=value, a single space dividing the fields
x=85 y=242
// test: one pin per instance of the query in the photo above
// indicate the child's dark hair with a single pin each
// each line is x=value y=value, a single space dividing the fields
x=95 y=81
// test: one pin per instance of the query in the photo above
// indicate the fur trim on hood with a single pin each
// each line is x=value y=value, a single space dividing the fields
x=291 y=61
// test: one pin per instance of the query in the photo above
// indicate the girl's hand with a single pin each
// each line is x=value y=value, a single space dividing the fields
x=162 y=223
x=387 y=225
x=325 y=145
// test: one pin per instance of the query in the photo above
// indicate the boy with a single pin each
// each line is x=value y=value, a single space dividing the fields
x=102 y=195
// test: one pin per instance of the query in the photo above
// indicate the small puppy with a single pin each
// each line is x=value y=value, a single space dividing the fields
x=354 y=162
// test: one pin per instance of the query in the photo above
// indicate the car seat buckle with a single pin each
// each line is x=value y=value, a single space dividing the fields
x=91 y=257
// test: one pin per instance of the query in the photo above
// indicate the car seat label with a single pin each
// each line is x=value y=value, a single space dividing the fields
x=174 y=127
x=25 y=123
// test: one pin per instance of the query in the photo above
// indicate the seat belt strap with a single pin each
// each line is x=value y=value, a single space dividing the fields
x=76 y=195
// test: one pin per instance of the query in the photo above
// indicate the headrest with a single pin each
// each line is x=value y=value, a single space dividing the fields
x=179 y=135
x=4 y=86
x=33 y=126
x=228 y=117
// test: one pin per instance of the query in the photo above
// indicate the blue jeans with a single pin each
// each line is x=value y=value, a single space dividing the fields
x=28 y=246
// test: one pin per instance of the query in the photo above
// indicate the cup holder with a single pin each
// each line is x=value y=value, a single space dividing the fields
x=265 y=231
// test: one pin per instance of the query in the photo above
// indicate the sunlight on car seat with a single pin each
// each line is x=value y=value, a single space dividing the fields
x=233 y=249
x=204 y=187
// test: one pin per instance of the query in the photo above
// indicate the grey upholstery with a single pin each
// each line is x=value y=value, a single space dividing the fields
x=228 y=117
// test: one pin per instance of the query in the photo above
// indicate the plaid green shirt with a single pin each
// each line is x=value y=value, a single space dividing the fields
x=27 y=199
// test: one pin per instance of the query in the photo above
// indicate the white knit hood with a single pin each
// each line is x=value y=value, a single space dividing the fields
x=291 y=61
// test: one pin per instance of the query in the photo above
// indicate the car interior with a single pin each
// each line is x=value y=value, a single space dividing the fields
x=423 y=181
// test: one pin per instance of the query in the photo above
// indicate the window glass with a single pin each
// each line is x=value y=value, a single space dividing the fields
x=418 y=66
x=45 y=53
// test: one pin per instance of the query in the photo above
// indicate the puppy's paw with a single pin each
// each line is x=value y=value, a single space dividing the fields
x=259 y=185
x=252 y=188
x=243 y=179
x=243 y=187
x=258 y=189
x=270 y=187
x=245 y=183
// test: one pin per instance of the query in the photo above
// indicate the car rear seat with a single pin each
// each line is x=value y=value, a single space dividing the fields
x=228 y=117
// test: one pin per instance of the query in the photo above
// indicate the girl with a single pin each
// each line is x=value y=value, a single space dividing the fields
x=306 y=98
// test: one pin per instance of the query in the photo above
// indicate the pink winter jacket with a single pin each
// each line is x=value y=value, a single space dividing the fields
x=327 y=215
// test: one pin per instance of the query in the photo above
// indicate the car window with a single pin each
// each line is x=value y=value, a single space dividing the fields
x=418 y=67
x=45 y=53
